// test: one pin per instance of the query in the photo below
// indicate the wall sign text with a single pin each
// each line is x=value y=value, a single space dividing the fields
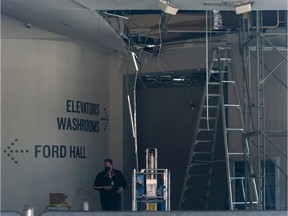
x=59 y=151
x=80 y=124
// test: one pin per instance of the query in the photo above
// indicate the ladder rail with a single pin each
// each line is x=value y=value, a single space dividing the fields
x=226 y=147
x=203 y=115
x=213 y=152
x=217 y=106
x=186 y=177
x=245 y=145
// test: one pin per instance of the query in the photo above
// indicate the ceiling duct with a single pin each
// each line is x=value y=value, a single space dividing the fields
x=217 y=20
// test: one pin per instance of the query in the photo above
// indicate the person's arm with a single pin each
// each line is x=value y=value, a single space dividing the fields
x=98 y=184
x=123 y=183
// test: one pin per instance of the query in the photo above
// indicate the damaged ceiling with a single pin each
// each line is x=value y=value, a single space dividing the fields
x=148 y=30
x=122 y=24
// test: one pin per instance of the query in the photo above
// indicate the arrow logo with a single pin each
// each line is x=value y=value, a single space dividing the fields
x=11 y=151
x=105 y=119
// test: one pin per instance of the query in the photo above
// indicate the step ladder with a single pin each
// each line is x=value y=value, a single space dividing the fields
x=197 y=180
x=220 y=89
x=235 y=143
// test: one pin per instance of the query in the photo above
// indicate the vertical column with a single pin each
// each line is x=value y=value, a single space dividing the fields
x=260 y=114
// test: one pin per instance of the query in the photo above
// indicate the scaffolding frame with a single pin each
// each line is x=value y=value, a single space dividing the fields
x=255 y=39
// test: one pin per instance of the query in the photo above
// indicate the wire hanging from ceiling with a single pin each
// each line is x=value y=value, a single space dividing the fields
x=207 y=70
x=160 y=42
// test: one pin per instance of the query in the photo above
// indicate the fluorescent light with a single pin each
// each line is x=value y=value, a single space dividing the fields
x=150 y=45
x=116 y=15
x=178 y=79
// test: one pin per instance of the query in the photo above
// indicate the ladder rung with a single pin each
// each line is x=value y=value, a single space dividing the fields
x=218 y=161
x=213 y=95
x=195 y=152
x=223 y=48
x=199 y=164
x=213 y=83
x=232 y=105
x=217 y=71
x=211 y=106
x=205 y=129
x=235 y=153
x=242 y=203
x=209 y=118
x=229 y=81
x=234 y=129
x=204 y=141
x=222 y=59
x=237 y=178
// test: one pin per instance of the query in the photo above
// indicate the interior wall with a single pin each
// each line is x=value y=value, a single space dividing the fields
x=46 y=79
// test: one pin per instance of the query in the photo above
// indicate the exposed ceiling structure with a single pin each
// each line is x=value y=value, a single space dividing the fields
x=119 y=23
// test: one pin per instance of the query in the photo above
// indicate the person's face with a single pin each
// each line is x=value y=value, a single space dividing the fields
x=107 y=166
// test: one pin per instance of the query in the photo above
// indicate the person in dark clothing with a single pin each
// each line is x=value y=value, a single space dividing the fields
x=110 y=183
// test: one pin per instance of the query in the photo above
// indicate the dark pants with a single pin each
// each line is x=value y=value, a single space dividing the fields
x=111 y=205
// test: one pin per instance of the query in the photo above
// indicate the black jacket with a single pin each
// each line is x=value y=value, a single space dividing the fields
x=117 y=180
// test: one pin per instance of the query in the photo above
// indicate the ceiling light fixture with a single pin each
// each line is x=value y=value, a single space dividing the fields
x=167 y=7
x=242 y=7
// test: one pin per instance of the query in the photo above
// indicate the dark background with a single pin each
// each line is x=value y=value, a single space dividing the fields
x=166 y=121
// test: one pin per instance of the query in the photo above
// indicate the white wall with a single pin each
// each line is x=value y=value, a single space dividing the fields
x=40 y=72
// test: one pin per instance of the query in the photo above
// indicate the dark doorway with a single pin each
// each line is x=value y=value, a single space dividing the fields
x=167 y=110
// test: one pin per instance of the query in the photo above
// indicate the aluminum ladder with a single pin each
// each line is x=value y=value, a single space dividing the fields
x=197 y=180
x=235 y=143
x=214 y=105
